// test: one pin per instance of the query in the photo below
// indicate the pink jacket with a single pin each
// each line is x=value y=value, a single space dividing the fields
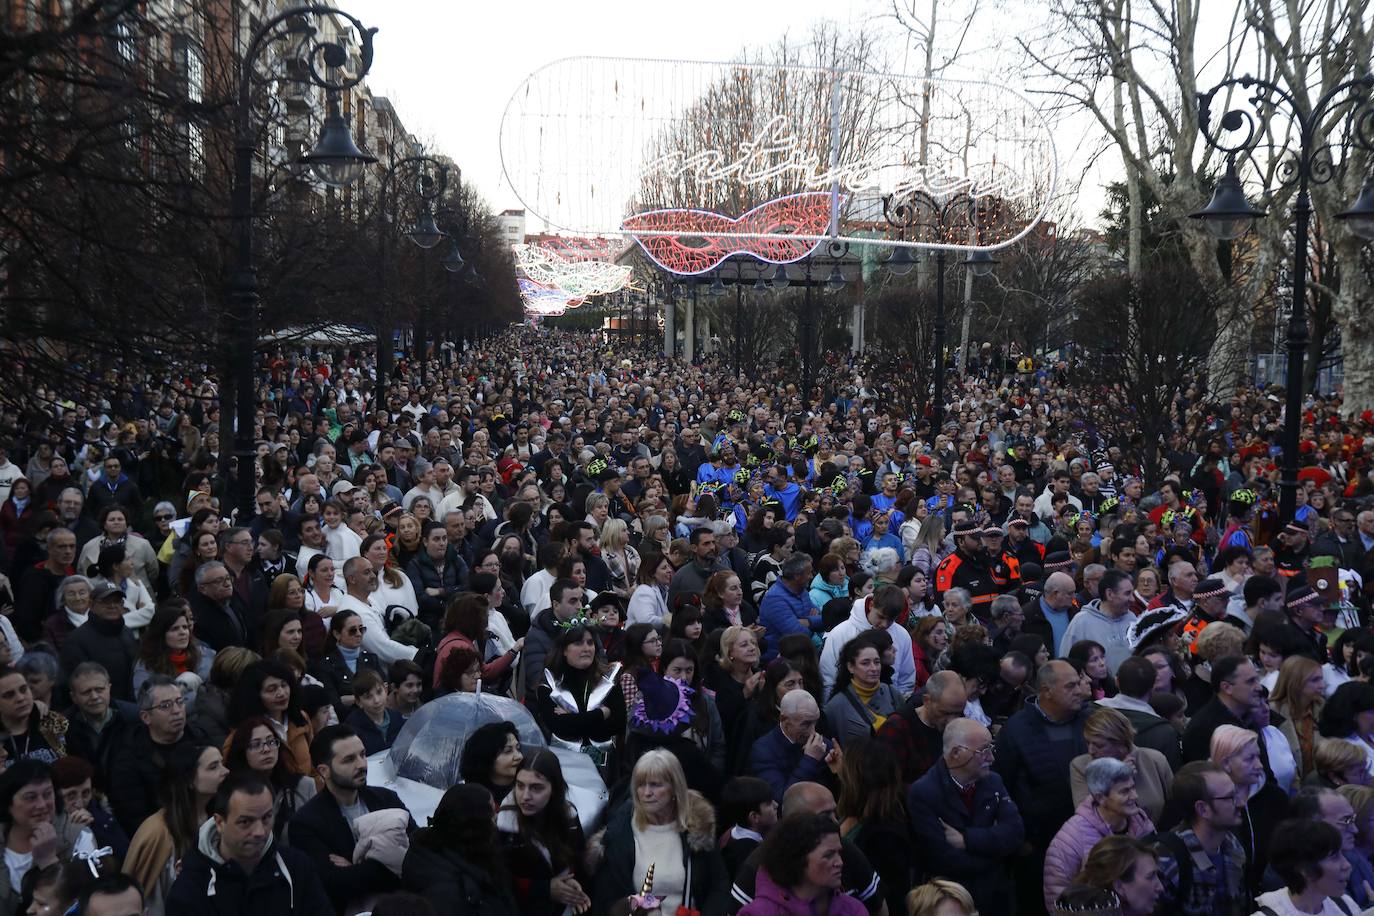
x=771 y=900
x=1075 y=840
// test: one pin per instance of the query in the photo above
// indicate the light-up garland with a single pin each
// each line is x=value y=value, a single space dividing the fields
x=579 y=279
x=583 y=135
x=541 y=300
x=694 y=241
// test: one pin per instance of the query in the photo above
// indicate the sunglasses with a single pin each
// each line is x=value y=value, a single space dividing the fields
x=355 y=631
x=162 y=518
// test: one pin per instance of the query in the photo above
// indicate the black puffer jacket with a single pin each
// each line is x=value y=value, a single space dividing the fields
x=455 y=886
x=109 y=643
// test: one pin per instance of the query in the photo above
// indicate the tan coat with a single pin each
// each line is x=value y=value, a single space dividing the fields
x=1153 y=779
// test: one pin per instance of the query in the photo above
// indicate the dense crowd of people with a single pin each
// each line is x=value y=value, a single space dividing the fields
x=826 y=658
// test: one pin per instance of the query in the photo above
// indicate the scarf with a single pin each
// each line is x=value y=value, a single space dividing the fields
x=866 y=697
x=179 y=660
x=350 y=657
x=75 y=618
x=732 y=616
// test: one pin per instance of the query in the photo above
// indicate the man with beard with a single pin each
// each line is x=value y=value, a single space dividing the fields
x=323 y=827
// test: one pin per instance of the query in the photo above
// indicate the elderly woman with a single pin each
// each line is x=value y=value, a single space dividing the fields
x=73 y=602
x=1262 y=804
x=668 y=826
x=1112 y=807
x=1109 y=734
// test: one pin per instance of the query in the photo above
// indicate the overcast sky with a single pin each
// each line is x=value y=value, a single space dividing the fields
x=450 y=67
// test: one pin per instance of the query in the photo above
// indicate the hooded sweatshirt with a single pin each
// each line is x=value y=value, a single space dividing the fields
x=1112 y=633
x=904 y=670
x=283 y=882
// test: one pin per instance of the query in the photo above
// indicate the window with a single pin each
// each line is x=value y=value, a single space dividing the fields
x=194 y=69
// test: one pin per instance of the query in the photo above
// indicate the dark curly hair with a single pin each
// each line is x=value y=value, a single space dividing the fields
x=787 y=845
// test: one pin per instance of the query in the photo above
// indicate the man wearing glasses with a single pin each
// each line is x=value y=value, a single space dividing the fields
x=1201 y=863
x=136 y=775
x=218 y=622
x=958 y=796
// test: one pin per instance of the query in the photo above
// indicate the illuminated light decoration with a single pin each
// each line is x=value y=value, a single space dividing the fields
x=582 y=248
x=776 y=154
x=588 y=141
x=695 y=241
x=579 y=279
x=541 y=300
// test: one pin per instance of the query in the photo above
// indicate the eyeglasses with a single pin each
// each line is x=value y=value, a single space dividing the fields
x=222 y=580
x=162 y=518
x=1347 y=821
x=169 y=705
x=355 y=631
x=1226 y=798
x=264 y=744
x=988 y=750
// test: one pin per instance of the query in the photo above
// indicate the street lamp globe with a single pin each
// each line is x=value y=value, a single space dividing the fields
x=1360 y=216
x=980 y=263
x=759 y=285
x=780 y=279
x=453 y=261
x=1228 y=215
x=336 y=159
x=426 y=232
x=900 y=262
x=835 y=282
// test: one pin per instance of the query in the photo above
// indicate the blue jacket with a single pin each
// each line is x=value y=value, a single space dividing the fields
x=781 y=613
x=780 y=763
x=992 y=834
x=1033 y=755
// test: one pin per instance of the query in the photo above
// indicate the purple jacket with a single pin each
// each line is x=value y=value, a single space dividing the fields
x=1075 y=840
x=771 y=900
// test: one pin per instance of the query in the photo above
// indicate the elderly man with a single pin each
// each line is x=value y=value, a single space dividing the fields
x=1048 y=616
x=793 y=751
x=1034 y=750
x=219 y=623
x=104 y=639
x=915 y=732
x=361 y=581
x=964 y=825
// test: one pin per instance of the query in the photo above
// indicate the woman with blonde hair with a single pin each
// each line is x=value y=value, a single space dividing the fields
x=939 y=897
x=1262 y=804
x=1298 y=696
x=670 y=827
x=736 y=675
x=1337 y=763
x=621 y=559
x=1109 y=733
x=926 y=547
